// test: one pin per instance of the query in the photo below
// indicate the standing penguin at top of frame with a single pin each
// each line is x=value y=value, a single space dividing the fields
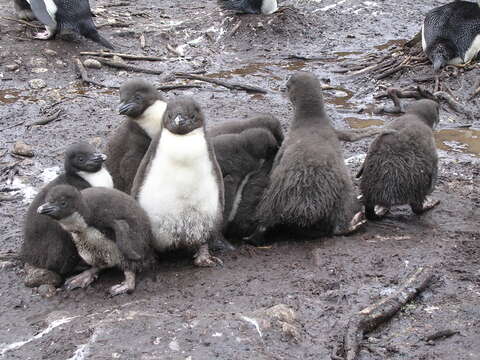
x=450 y=33
x=264 y=7
x=59 y=15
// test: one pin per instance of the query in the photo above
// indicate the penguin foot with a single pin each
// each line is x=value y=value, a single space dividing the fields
x=257 y=238
x=47 y=34
x=356 y=224
x=203 y=258
x=82 y=280
x=125 y=287
x=427 y=205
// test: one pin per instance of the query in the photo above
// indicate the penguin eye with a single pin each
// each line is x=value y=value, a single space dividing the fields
x=63 y=204
x=81 y=159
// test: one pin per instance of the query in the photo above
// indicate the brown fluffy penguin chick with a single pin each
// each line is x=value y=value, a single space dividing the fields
x=401 y=164
x=310 y=191
x=180 y=185
x=109 y=229
x=240 y=156
x=263 y=121
x=144 y=107
x=45 y=244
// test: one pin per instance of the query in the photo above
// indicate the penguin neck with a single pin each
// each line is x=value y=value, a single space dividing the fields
x=100 y=178
x=75 y=223
x=311 y=112
x=270 y=6
x=151 y=119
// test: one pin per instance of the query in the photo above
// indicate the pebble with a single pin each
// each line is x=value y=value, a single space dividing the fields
x=92 y=64
x=39 y=70
x=50 y=52
x=12 y=67
x=38 y=61
x=22 y=149
x=37 y=84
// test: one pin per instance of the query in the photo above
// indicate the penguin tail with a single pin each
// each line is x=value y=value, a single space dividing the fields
x=95 y=36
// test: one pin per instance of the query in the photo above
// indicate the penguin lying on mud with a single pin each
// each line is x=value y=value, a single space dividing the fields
x=45 y=244
x=310 y=191
x=240 y=156
x=265 y=7
x=144 y=107
x=450 y=34
x=59 y=15
x=108 y=228
x=401 y=165
x=179 y=183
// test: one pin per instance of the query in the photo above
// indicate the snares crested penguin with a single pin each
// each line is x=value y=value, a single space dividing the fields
x=402 y=164
x=180 y=185
x=310 y=191
x=265 y=7
x=451 y=33
x=74 y=15
x=109 y=229
x=144 y=107
x=45 y=244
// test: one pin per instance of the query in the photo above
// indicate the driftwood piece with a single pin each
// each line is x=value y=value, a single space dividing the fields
x=374 y=315
x=128 y=67
x=123 y=56
x=352 y=135
x=231 y=86
x=84 y=75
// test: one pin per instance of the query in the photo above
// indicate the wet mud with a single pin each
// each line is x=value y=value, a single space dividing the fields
x=290 y=300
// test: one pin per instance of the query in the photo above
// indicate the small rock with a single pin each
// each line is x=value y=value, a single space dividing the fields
x=35 y=277
x=22 y=149
x=39 y=70
x=12 y=67
x=38 y=61
x=173 y=345
x=50 y=52
x=118 y=59
x=290 y=330
x=37 y=84
x=92 y=64
x=4 y=265
x=47 y=290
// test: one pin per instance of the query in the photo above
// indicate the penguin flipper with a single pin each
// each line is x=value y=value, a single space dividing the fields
x=42 y=14
x=122 y=231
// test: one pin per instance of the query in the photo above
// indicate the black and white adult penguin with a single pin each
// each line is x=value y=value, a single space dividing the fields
x=451 y=33
x=109 y=229
x=23 y=10
x=240 y=156
x=263 y=121
x=180 y=185
x=45 y=244
x=265 y=7
x=59 y=15
x=144 y=107
x=401 y=165
x=310 y=191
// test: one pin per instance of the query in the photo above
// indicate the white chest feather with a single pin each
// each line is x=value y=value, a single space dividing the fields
x=269 y=7
x=99 y=178
x=424 y=42
x=151 y=119
x=181 y=180
x=472 y=50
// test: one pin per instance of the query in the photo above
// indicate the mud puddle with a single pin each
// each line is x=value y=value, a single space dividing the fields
x=466 y=141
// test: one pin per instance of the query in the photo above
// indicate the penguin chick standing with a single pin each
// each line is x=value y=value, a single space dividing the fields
x=310 y=190
x=264 y=121
x=74 y=15
x=179 y=183
x=45 y=244
x=401 y=165
x=109 y=229
x=24 y=12
x=240 y=156
x=450 y=34
x=265 y=7
x=144 y=107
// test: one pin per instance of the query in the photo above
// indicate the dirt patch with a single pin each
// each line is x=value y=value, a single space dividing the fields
x=191 y=313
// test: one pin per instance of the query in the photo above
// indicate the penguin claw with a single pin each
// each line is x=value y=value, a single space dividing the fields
x=207 y=261
x=80 y=281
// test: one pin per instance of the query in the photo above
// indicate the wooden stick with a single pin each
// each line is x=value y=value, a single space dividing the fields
x=178 y=86
x=128 y=67
x=123 y=56
x=231 y=86
x=84 y=75
x=372 y=316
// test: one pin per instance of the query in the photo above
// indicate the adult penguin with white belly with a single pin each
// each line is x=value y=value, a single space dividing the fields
x=180 y=185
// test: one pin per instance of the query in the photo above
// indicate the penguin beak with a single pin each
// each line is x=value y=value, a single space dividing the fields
x=124 y=108
x=47 y=209
x=180 y=121
x=96 y=159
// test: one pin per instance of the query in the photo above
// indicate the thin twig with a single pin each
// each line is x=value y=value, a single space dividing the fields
x=231 y=86
x=12 y=126
x=128 y=67
x=49 y=119
x=84 y=75
x=178 y=86
x=23 y=22
x=123 y=56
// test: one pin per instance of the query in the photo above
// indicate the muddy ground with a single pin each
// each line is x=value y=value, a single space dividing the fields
x=226 y=313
